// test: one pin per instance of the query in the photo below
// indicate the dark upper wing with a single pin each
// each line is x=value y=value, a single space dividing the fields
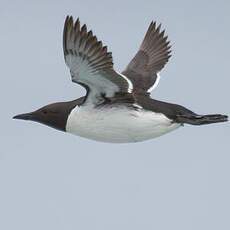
x=90 y=64
x=151 y=57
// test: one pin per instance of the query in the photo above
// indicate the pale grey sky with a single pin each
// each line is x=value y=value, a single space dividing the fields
x=52 y=180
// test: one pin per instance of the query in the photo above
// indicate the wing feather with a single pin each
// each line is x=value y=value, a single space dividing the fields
x=151 y=57
x=90 y=63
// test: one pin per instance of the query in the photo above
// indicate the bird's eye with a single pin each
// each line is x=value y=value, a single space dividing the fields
x=44 y=111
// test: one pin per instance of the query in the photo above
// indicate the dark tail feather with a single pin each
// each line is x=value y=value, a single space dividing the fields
x=201 y=119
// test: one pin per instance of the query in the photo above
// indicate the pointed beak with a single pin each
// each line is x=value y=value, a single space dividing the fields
x=25 y=116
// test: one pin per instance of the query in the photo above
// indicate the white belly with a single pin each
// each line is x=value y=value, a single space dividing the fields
x=117 y=125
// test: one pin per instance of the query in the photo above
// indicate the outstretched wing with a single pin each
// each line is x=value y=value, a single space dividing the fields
x=90 y=63
x=153 y=54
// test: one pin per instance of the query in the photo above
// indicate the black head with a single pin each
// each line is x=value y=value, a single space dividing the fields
x=54 y=115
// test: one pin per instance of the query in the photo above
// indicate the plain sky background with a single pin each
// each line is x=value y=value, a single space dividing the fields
x=52 y=180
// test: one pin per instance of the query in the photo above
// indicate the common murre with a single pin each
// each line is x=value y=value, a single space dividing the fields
x=117 y=106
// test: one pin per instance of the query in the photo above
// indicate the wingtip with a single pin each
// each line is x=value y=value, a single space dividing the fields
x=70 y=20
x=77 y=22
x=153 y=24
x=158 y=29
x=90 y=33
x=66 y=20
x=84 y=28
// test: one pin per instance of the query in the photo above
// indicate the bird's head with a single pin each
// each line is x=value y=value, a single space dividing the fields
x=54 y=115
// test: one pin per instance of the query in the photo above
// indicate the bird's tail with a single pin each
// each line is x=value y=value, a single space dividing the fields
x=201 y=119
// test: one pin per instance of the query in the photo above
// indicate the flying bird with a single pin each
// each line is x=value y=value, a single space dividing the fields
x=117 y=107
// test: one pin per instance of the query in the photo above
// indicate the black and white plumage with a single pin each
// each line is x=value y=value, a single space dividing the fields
x=90 y=64
x=117 y=106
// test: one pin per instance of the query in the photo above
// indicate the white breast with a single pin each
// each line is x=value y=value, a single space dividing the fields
x=117 y=124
